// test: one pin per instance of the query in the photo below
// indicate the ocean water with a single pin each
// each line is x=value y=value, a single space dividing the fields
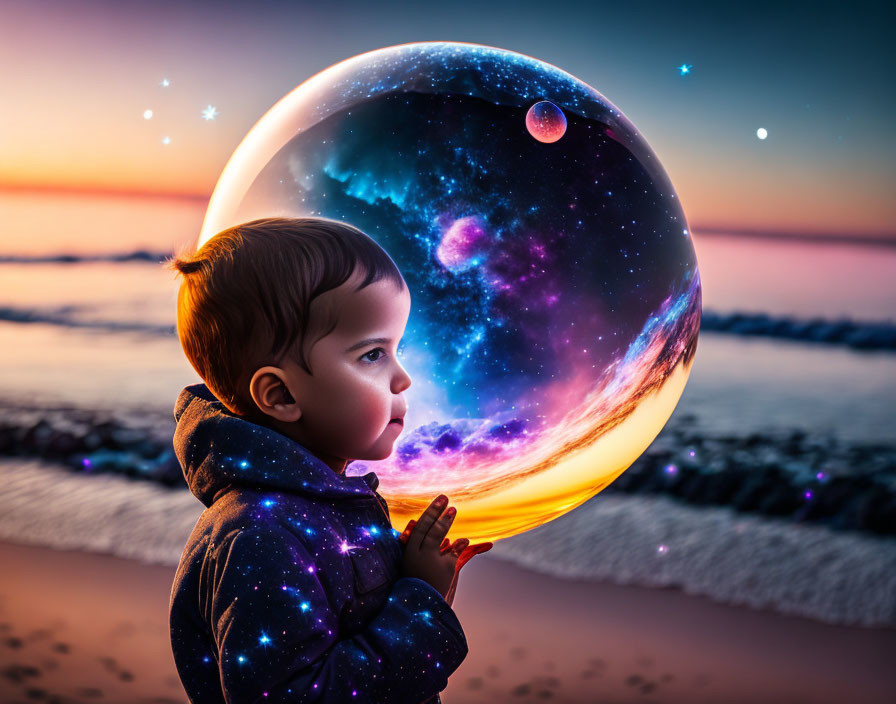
x=100 y=335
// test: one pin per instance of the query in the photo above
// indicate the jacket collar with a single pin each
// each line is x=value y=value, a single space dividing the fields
x=217 y=448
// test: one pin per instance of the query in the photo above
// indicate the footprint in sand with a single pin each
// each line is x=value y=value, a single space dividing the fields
x=90 y=692
x=19 y=673
x=475 y=683
x=596 y=668
x=492 y=671
x=648 y=687
x=634 y=680
x=518 y=652
x=14 y=643
x=63 y=648
x=35 y=693
x=521 y=690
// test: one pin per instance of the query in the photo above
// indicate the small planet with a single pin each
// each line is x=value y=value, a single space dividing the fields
x=459 y=244
x=546 y=122
x=762 y=133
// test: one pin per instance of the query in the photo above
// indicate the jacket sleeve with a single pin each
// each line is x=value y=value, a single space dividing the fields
x=277 y=632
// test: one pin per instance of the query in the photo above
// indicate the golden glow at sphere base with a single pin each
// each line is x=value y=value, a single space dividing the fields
x=556 y=297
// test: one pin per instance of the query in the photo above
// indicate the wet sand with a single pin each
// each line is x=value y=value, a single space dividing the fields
x=83 y=627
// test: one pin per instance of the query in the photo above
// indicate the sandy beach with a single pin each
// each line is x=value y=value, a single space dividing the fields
x=84 y=627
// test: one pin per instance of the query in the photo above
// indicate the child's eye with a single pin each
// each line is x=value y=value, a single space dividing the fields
x=378 y=349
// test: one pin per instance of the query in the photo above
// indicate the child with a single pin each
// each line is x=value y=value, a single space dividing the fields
x=293 y=586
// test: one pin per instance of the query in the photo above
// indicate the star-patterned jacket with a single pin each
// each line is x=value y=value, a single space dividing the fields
x=289 y=588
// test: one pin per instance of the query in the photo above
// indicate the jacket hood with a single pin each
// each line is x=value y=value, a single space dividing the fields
x=216 y=449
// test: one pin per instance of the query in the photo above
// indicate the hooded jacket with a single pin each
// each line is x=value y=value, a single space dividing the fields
x=289 y=587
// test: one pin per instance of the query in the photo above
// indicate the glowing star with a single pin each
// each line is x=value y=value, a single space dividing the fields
x=165 y=83
x=684 y=69
x=147 y=114
x=345 y=547
x=166 y=140
x=662 y=549
x=762 y=133
x=264 y=639
x=210 y=113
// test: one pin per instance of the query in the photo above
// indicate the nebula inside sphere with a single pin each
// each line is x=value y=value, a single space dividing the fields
x=546 y=122
x=555 y=295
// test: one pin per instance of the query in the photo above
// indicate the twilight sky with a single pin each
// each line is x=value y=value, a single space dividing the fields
x=78 y=76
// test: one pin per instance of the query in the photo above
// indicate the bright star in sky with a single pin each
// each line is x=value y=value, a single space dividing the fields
x=762 y=133
x=165 y=83
x=147 y=114
x=210 y=113
x=685 y=68
x=166 y=140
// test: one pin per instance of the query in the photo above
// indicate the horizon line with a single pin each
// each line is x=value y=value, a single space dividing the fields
x=887 y=239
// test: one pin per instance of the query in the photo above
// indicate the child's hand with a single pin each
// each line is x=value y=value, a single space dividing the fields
x=423 y=557
x=461 y=548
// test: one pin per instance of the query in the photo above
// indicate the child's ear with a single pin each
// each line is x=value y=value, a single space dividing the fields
x=271 y=394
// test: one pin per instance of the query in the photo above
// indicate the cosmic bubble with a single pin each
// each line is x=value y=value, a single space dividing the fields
x=556 y=299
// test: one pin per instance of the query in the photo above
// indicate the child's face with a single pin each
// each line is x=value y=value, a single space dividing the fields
x=347 y=405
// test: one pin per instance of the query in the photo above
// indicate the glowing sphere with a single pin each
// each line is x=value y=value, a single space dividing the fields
x=555 y=292
x=545 y=121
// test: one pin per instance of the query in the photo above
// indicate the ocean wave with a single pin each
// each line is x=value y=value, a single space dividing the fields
x=786 y=474
x=861 y=335
x=810 y=571
x=78 y=317
x=139 y=255
x=855 y=334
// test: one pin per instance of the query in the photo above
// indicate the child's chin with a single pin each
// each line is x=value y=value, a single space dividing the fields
x=379 y=454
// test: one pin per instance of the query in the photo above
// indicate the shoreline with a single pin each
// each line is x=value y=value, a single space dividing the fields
x=75 y=624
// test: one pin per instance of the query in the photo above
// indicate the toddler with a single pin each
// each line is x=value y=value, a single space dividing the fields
x=293 y=586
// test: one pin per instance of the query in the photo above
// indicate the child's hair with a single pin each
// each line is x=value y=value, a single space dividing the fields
x=246 y=293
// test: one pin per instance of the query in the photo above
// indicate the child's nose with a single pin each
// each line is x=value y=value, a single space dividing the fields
x=402 y=380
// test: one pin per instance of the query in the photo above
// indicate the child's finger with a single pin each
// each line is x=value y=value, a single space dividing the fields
x=454 y=547
x=471 y=552
x=459 y=545
x=407 y=531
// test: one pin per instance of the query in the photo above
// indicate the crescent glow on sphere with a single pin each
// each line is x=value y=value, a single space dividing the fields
x=556 y=299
